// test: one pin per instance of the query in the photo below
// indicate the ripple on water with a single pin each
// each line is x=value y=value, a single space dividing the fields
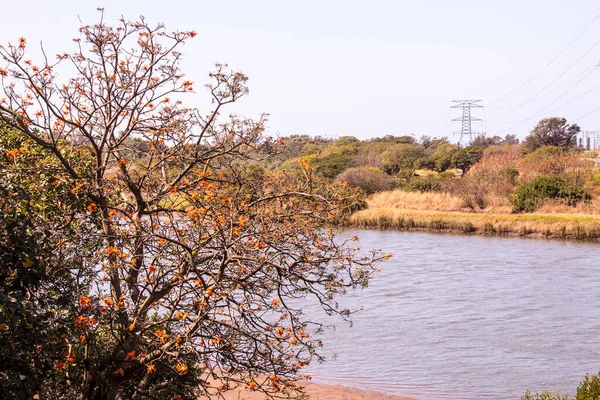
x=470 y=318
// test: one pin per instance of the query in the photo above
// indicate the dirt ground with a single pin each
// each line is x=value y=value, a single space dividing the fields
x=321 y=392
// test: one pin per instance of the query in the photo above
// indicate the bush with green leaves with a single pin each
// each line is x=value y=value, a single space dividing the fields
x=588 y=389
x=545 y=395
x=528 y=196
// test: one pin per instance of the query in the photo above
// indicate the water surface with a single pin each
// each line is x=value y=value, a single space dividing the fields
x=470 y=317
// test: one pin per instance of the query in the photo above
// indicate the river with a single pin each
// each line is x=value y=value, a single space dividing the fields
x=469 y=317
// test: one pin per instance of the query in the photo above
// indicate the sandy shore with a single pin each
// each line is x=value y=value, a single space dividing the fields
x=321 y=392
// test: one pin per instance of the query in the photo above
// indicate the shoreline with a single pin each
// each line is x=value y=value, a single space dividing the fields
x=551 y=226
x=319 y=391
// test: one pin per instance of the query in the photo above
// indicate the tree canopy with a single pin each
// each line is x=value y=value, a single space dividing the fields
x=151 y=258
x=552 y=132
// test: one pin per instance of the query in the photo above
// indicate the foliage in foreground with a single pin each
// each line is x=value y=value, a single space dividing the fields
x=163 y=264
x=588 y=389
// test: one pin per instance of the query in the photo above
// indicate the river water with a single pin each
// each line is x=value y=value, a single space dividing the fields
x=469 y=317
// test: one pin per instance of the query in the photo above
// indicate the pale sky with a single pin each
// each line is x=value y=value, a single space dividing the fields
x=369 y=68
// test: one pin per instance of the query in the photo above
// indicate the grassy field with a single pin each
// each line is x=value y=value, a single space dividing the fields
x=442 y=213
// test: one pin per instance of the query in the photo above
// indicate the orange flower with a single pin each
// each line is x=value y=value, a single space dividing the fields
x=92 y=207
x=181 y=368
x=162 y=335
x=84 y=302
x=108 y=302
x=71 y=358
x=13 y=153
x=304 y=335
x=131 y=327
x=3 y=72
x=130 y=356
x=209 y=291
x=123 y=162
x=279 y=331
x=151 y=369
x=151 y=269
x=112 y=250
x=252 y=386
x=192 y=33
x=181 y=316
x=120 y=371
x=187 y=84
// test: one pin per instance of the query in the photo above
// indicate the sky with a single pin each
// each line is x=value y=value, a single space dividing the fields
x=369 y=68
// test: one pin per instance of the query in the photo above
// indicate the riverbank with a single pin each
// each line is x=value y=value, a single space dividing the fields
x=557 y=226
x=320 y=392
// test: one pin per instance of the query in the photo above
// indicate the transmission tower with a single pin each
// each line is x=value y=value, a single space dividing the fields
x=466 y=118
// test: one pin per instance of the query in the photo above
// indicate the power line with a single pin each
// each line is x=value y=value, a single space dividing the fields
x=587 y=73
x=566 y=92
x=538 y=114
x=551 y=83
x=549 y=63
x=585 y=115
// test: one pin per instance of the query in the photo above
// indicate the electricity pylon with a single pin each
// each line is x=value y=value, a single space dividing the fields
x=466 y=119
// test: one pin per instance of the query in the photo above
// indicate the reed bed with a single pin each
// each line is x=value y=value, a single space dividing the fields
x=560 y=226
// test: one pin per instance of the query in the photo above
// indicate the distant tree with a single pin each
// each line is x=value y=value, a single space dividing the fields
x=552 y=132
x=425 y=141
x=406 y=139
x=401 y=157
x=465 y=157
x=344 y=140
x=442 y=152
x=482 y=140
x=369 y=154
x=510 y=139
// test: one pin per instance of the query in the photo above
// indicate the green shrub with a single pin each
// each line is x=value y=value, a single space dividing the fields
x=422 y=185
x=545 y=395
x=589 y=388
x=527 y=197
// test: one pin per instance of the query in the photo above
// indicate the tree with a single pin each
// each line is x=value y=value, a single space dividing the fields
x=35 y=271
x=552 y=132
x=465 y=157
x=184 y=270
x=401 y=157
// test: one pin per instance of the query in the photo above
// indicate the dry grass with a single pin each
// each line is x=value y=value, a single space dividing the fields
x=564 y=226
x=416 y=200
x=444 y=212
x=591 y=208
x=435 y=201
